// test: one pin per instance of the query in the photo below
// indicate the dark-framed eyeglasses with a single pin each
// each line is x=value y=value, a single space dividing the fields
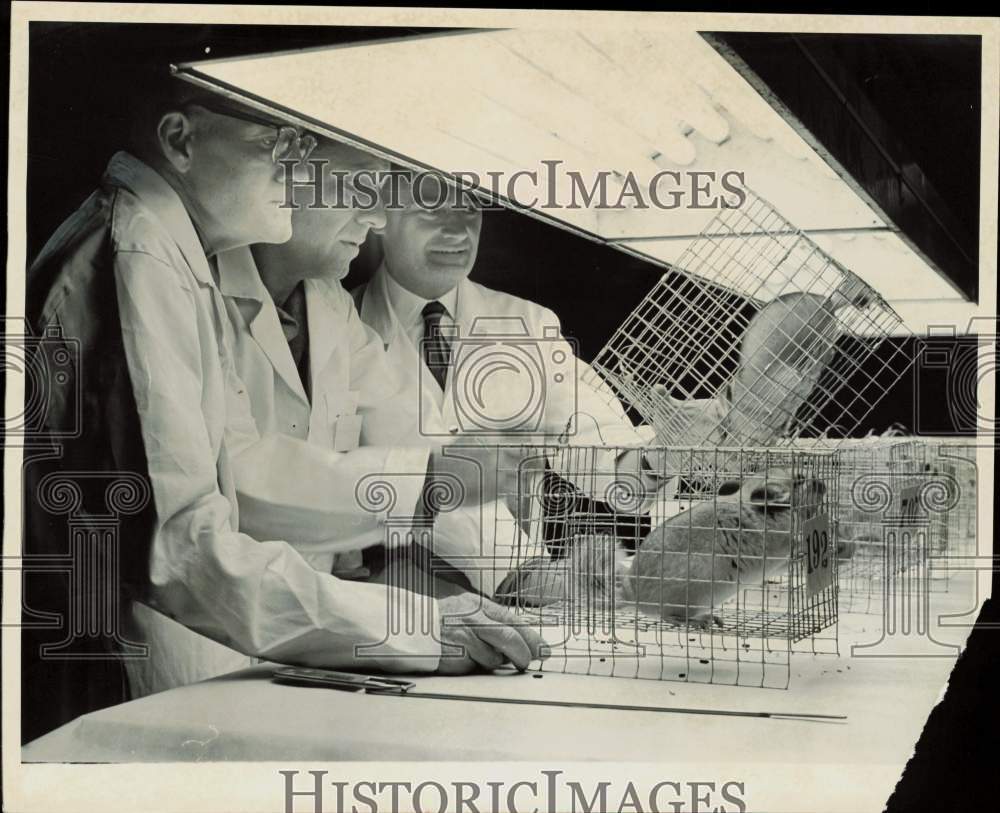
x=287 y=137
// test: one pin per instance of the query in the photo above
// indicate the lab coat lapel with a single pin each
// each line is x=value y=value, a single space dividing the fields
x=403 y=354
x=468 y=305
x=266 y=330
x=326 y=333
x=239 y=278
x=324 y=329
x=375 y=310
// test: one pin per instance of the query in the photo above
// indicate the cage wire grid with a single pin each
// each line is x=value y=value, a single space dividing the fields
x=756 y=337
x=862 y=522
x=945 y=477
x=956 y=459
x=688 y=564
x=935 y=480
x=753 y=360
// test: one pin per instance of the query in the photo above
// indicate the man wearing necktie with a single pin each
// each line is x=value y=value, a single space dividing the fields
x=433 y=319
x=329 y=416
x=437 y=346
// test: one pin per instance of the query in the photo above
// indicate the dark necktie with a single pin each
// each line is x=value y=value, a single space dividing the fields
x=437 y=346
x=293 y=318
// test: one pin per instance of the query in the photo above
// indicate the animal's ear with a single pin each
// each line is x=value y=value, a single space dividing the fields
x=809 y=490
x=774 y=495
x=729 y=487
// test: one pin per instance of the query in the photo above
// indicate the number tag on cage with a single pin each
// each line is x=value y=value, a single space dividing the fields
x=819 y=553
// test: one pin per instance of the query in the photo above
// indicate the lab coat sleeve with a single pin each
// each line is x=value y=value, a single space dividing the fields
x=321 y=500
x=259 y=597
x=484 y=541
x=698 y=421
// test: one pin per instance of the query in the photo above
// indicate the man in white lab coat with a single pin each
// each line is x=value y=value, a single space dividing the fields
x=330 y=410
x=508 y=374
x=423 y=283
x=332 y=420
x=133 y=277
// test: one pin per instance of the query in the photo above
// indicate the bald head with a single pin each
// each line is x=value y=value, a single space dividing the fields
x=797 y=329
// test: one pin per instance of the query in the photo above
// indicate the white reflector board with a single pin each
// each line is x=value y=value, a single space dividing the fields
x=611 y=100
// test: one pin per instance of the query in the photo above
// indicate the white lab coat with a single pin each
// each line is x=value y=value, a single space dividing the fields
x=549 y=383
x=358 y=430
x=308 y=495
x=252 y=598
x=570 y=410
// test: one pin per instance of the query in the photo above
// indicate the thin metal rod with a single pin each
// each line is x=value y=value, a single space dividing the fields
x=609 y=706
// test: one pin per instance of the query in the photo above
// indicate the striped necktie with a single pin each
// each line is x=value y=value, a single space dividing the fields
x=437 y=346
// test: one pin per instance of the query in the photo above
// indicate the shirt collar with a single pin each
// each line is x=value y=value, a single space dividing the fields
x=408 y=306
x=126 y=171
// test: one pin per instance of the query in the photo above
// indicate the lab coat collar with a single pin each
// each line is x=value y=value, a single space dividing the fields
x=128 y=172
x=377 y=308
x=409 y=307
x=239 y=277
x=240 y=280
x=325 y=320
x=469 y=304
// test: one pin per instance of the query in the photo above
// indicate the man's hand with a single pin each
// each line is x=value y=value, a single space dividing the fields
x=488 y=636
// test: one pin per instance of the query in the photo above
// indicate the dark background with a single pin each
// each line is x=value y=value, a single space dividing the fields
x=927 y=88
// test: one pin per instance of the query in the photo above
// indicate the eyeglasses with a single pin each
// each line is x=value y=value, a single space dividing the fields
x=287 y=136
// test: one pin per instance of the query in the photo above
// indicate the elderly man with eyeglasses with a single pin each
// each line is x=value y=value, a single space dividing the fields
x=131 y=278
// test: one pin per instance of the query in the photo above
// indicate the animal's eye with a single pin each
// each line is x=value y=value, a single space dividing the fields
x=269 y=141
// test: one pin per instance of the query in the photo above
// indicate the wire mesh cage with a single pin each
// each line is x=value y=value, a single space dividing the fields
x=701 y=565
x=952 y=463
x=955 y=459
x=906 y=504
x=755 y=337
x=871 y=477
x=924 y=500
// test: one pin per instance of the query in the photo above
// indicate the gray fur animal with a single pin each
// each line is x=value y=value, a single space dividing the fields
x=692 y=563
x=687 y=566
x=587 y=574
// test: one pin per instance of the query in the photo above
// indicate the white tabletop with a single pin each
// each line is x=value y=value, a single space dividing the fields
x=245 y=716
